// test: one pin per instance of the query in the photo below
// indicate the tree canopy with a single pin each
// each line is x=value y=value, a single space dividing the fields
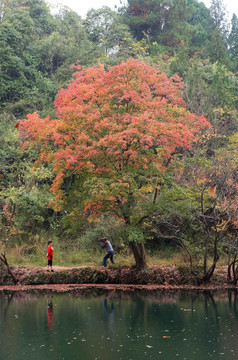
x=121 y=126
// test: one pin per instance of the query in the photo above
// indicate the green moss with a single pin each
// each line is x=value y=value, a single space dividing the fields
x=120 y=275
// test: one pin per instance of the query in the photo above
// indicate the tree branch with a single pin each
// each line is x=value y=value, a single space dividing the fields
x=10 y=272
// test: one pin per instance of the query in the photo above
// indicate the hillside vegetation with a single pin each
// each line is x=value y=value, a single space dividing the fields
x=123 y=124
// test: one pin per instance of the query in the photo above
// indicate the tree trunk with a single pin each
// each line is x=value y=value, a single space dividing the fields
x=138 y=251
x=208 y=275
x=234 y=271
x=190 y=256
x=205 y=258
x=10 y=272
x=232 y=267
x=229 y=266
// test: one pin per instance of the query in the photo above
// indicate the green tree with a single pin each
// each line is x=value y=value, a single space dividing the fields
x=219 y=14
x=18 y=71
x=39 y=11
x=202 y=25
x=21 y=79
x=36 y=52
x=211 y=89
x=180 y=62
x=233 y=42
x=216 y=49
x=170 y=22
x=24 y=191
x=105 y=28
x=177 y=28
x=198 y=206
x=7 y=6
x=146 y=17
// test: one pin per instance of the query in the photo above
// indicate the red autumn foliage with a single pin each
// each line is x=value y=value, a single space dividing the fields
x=110 y=122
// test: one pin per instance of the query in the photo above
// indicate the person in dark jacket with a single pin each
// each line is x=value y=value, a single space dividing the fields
x=110 y=253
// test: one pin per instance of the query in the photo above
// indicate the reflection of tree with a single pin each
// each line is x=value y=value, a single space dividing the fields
x=194 y=297
x=233 y=302
x=6 y=307
x=209 y=299
x=138 y=312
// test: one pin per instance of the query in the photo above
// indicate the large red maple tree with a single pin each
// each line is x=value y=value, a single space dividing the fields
x=119 y=127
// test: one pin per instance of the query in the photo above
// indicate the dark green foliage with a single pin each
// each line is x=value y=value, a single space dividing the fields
x=202 y=24
x=170 y=22
x=105 y=28
x=37 y=48
x=146 y=17
x=216 y=49
x=120 y=275
x=219 y=14
x=24 y=192
x=233 y=42
x=211 y=89
x=36 y=51
x=188 y=22
x=180 y=64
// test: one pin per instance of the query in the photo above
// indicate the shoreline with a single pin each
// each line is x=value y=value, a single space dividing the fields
x=154 y=278
x=115 y=287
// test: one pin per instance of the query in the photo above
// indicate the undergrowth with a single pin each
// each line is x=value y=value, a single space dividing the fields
x=73 y=256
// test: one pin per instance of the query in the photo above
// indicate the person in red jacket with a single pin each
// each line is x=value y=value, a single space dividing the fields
x=49 y=255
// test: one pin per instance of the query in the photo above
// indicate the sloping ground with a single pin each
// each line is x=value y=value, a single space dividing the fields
x=153 y=277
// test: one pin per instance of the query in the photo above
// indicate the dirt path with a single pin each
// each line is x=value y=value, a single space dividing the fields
x=33 y=268
x=111 y=287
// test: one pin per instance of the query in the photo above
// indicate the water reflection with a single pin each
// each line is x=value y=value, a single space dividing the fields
x=161 y=325
x=109 y=312
x=4 y=308
x=50 y=314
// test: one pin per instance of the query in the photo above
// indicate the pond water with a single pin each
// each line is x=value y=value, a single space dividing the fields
x=119 y=325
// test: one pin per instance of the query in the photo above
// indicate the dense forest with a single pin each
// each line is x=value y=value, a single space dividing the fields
x=121 y=124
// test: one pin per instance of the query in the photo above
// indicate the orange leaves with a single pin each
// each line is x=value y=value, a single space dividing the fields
x=212 y=191
x=35 y=130
x=17 y=125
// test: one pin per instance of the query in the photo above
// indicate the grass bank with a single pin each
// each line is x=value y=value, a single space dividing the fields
x=171 y=276
x=73 y=256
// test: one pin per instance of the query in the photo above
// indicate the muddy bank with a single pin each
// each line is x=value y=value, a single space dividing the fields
x=153 y=278
x=86 y=288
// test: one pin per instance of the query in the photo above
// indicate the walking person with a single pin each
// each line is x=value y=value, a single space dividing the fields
x=110 y=253
x=49 y=255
